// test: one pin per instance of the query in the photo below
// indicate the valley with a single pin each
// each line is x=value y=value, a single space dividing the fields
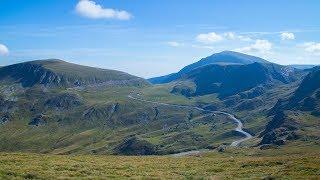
x=96 y=111
x=204 y=113
x=212 y=113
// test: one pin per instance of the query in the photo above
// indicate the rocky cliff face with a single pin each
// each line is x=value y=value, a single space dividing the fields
x=64 y=101
x=30 y=74
x=7 y=108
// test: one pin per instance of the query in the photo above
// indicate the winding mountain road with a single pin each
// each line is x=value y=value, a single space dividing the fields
x=239 y=127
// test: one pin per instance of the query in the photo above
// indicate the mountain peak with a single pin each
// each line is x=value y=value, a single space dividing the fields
x=45 y=61
x=221 y=58
x=228 y=52
x=232 y=57
x=225 y=57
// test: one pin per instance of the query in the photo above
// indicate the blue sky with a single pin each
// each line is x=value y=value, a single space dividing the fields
x=151 y=37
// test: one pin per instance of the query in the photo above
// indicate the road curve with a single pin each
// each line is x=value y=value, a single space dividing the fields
x=239 y=127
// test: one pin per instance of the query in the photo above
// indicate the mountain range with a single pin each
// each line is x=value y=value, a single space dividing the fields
x=52 y=106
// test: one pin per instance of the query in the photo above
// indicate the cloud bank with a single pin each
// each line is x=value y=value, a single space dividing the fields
x=90 y=9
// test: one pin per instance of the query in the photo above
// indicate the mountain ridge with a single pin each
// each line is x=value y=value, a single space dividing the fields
x=56 y=72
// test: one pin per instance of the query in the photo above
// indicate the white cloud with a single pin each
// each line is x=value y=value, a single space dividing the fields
x=234 y=36
x=209 y=38
x=261 y=46
x=175 y=44
x=312 y=47
x=3 y=50
x=90 y=9
x=213 y=37
x=287 y=36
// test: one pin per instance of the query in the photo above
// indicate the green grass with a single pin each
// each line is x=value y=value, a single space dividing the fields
x=161 y=93
x=298 y=163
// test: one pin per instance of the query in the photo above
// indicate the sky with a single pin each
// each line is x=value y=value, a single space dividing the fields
x=149 y=38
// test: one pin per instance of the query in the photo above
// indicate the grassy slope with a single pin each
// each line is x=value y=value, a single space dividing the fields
x=161 y=93
x=293 y=162
x=174 y=129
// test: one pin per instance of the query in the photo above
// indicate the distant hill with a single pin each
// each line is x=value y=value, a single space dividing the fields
x=222 y=58
x=232 y=79
x=54 y=72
